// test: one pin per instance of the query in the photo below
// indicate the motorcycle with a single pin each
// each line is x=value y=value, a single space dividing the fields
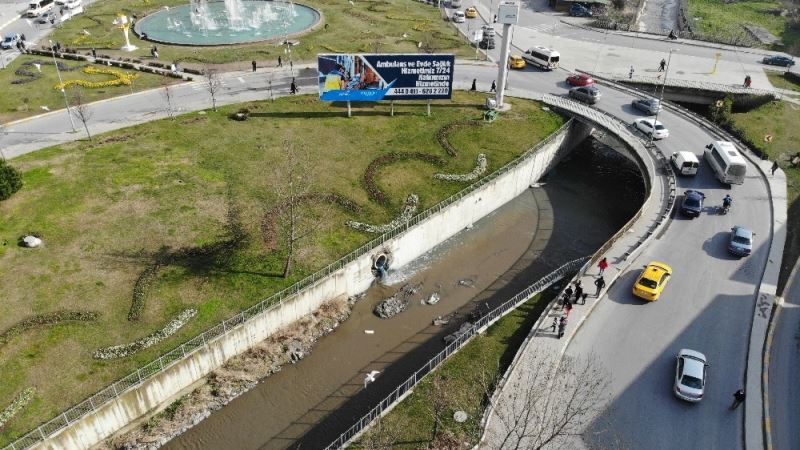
x=725 y=208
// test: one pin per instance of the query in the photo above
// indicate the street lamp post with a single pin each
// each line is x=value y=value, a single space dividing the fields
x=61 y=83
x=507 y=14
x=661 y=96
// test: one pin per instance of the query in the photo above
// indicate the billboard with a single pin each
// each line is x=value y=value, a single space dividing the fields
x=369 y=78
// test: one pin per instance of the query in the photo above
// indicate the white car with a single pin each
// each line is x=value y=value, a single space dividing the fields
x=459 y=17
x=488 y=30
x=690 y=375
x=652 y=127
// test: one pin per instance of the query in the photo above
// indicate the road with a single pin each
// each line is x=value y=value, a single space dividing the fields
x=708 y=306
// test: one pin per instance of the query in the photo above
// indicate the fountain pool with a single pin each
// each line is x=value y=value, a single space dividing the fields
x=227 y=22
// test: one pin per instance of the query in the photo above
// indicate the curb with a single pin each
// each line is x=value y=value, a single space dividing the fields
x=776 y=310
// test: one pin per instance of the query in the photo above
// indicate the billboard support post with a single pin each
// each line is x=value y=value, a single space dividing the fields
x=349 y=111
x=429 y=107
x=391 y=104
x=507 y=14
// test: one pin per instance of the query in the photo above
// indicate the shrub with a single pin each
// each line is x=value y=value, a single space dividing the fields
x=10 y=180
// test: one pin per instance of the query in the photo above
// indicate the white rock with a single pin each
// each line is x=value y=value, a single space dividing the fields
x=32 y=241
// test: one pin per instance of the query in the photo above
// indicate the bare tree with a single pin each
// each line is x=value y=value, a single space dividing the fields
x=166 y=91
x=382 y=434
x=439 y=403
x=547 y=407
x=213 y=83
x=301 y=212
x=80 y=110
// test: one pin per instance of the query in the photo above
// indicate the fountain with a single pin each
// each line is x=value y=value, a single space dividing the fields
x=124 y=24
x=204 y=22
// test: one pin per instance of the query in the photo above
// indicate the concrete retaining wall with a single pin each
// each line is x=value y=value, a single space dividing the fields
x=351 y=279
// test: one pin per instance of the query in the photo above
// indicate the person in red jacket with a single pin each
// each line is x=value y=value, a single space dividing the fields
x=603 y=265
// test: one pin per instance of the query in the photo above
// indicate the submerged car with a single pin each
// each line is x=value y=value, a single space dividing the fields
x=652 y=127
x=690 y=375
x=741 y=241
x=588 y=94
x=652 y=280
x=692 y=204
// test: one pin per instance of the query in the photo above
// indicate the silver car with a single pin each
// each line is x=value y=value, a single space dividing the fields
x=690 y=375
x=588 y=94
x=741 y=241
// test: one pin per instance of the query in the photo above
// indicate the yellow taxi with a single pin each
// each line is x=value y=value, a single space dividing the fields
x=652 y=280
x=516 y=62
x=471 y=12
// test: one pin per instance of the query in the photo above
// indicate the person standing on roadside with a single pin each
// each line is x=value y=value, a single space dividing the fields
x=254 y=65
x=280 y=61
x=662 y=65
x=774 y=167
x=600 y=283
x=293 y=87
x=578 y=292
x=603 y=265
x=738 y=398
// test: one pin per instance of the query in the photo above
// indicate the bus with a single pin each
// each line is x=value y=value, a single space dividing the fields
x=542 y=56
x=728 y=164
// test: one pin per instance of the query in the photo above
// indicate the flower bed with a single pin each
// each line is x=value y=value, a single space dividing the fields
x=480 y=169
x=121 y=351
x=41 y=320
x=121 y=78
x=20 y=401
x=412 y=202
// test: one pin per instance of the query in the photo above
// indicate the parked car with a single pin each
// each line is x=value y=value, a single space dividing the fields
x=578 y=10
x=741 y=241
x=692 y=204
x=588 y=94
x=778 y=60
x=458 y=17
x=690 y=375
x=471 y=12
x=652 y=127
x=649 y=105
x=488 y=30
x=579 y=79
x=487 y=43
x=652 y=280
x=48 y=17
x=516 y=62
x=10 y=41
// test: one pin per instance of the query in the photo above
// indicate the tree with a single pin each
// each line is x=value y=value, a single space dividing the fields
x=440 y=402
x=300 y=215
x=80 y=110
x=546 y=406
x=166 y=91
x=10 y=180
x=213 y=83
x=382 y=434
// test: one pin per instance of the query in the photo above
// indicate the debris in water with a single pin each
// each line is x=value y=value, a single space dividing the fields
x=433 y=299
x=468 y=282
x=369 y=331
x=439 y=321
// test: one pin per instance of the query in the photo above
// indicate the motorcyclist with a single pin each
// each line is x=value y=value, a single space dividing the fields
x=727 y=201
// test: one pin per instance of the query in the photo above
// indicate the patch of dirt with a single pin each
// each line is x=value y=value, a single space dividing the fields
x=237 y=376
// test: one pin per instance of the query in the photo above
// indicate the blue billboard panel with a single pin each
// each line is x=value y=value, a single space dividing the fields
x=370 y=78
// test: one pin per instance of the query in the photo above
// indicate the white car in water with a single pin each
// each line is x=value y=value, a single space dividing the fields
x=651 y=127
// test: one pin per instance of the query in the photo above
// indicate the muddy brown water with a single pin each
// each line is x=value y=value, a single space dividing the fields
x=307 y=405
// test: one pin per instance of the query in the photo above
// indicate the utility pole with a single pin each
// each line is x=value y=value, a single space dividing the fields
x=507 y=14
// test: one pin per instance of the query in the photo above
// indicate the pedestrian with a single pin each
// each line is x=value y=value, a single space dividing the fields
x=567 y=307
x=554 y=325
x=94 y=53
x=291 y=65
x=747 y=81
x=600 y=283
x=603 y=265
x=662 y=65
x=280 y=61
x=493 y=88
x=578 y=292
x=568 y=292
x=774 y=166
x=253 y=63
x=495 y=18
x=738 y=398
x=630 y=73
x=474 y=85
x=583 y=298
x=561 y=327
x=293 y=87
x=22 y=36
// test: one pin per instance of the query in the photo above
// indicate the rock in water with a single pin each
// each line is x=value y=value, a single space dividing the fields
x=391 y=306
x=433 y=299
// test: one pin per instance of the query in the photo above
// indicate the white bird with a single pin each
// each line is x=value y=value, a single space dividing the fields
x=166 y=7
x=370 y=378
x=45 y=108
x=86 y=32
x=405 y=35
x=38 y=66
x=351 y=3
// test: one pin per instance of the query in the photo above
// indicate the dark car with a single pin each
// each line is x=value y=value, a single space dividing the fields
x=487 y=43
x=578 y=10
x=741 y=241
x=588 y=94
x=778 y=60
x=692 y=204
x=649 y=105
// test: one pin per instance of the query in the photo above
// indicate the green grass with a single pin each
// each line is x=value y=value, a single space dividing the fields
x=777 y=79
x=779 y=119
x=105 y=210
x=463 y=380
x=726 y=20
x=25 y=100
x=373 y=26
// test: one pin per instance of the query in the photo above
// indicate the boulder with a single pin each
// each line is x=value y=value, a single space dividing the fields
x=391 y=306
x=31 y=241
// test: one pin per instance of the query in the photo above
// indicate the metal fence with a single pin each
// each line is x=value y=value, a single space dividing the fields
x=478 y=327
x=142 y=374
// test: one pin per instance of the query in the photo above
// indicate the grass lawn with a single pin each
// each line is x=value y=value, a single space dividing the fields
x=777 y=79
x=779 y=119
x=25 y=100
x=110 y=209
x=718 y=18
x=462 y=378
x=375 y=26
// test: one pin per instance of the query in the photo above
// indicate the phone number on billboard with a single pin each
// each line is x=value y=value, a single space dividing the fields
x=421 y=91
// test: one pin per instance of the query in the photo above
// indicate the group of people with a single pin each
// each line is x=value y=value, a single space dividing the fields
x=574 y=295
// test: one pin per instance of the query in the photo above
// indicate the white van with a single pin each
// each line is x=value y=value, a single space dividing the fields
x=729 y=165
x=36 y=8
x=685 y=163
x=543 y=57
x=69 y=4
x=455 y=3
